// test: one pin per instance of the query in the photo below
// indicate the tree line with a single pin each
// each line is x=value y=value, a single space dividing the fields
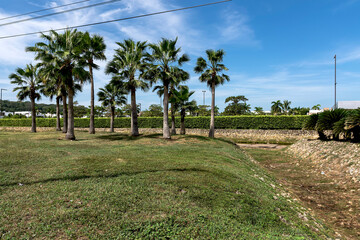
x=66 y=62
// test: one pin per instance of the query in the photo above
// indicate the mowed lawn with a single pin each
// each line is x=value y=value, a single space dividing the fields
x=113 y=186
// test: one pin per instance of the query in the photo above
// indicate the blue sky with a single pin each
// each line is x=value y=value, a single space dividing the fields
x=276 y=50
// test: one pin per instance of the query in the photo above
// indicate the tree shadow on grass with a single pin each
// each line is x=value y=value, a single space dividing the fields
x=126 y=137
x=114 y=175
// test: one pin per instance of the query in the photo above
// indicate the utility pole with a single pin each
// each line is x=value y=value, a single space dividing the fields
x=335 y=82
x=204 y=97
x=2 y=89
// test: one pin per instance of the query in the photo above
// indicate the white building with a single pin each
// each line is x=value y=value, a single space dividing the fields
x=348 y=104
x=311 y=112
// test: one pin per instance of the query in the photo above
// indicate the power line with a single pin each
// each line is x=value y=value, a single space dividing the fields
x=43 y=10
x=117 y=20
x=57 y=13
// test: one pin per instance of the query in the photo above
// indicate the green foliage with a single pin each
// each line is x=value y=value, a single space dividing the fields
x=310 y=124
x=299 y=111
x=237 y=106
x=327 y=119
x=155 y=110
x=222 y=122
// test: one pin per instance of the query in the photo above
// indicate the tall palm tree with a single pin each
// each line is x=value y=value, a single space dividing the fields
x=166 y=59
x=94 y=49
x=111 y=96
x=211 y=74
x=127 y=66
x=66 y=52
x=181 y=100
x=29 y=86
x=177 y=76
x=277 y=107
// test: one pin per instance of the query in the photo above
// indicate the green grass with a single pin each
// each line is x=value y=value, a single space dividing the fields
x=112 y=186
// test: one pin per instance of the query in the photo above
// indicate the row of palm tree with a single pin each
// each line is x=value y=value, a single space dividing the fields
x=67 y=61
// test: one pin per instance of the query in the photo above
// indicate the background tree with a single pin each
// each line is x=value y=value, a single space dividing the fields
x=316 y=107
x=299 y=111
x=112 y=95
x=237 y=106
x=94 y=49
x=155 y=110
x=178 y=76
x=50 y=90
x=259 y=111
x=29 y=86
x=211 y=74
x=286 y=106
x=127 y=109
x=127 y=66
x=181 y=100
x=276 y=107
x=165 y=58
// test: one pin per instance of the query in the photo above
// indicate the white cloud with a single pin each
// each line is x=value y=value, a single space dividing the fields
x=236 y=27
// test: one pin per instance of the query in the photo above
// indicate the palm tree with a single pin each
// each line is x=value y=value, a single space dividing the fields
x=65 y=52
x=259 y=111
x=316 y=107
x=51 y=91
x=177 y=76
x=286 y=106
x=30 y=86
x=111 y=96
x=181 y=100
x=277 y=107
x=166 y=59
x=94 y=49
x=211 y=74
x=126 y=67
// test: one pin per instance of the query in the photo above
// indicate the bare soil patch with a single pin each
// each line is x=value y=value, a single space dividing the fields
x=331 y=197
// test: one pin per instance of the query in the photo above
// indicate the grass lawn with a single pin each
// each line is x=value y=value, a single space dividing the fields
x=112 y=186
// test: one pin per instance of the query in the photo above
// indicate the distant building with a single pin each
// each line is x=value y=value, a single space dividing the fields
x=311 y=112
x=348 y=104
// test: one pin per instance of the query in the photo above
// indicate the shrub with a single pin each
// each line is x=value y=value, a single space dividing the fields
x=223 y=122
x=327 y=120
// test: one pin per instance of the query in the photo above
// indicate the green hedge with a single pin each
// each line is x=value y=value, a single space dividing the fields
x=223 y=122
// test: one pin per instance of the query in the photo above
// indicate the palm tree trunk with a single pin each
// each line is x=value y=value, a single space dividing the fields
x=182 y=124
x=112 y=119
x=70 y=135
x=33 y=115
x=92 y=103
x=65 y=115
x=134 y=115
x=58 y=125
x=212 y=119
x=166 y=130
x=173 y=129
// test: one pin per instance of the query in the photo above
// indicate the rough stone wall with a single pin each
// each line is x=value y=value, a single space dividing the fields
x=251 y=134
x=340 y=160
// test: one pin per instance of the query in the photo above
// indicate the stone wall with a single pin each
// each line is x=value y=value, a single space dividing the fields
x=245 y=134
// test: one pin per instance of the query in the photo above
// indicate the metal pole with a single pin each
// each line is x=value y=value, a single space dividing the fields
x=335 y=82
x=204 y=97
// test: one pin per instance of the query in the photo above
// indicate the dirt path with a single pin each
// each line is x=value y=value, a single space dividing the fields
x=337 y=204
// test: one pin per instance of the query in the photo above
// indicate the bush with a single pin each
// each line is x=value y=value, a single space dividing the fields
x=222 y=122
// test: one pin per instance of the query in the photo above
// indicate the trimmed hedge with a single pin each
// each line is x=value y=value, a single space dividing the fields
x=223 y=122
